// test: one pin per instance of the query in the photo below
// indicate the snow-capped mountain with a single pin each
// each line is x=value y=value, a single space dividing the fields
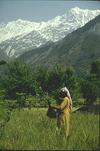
x=19 y=36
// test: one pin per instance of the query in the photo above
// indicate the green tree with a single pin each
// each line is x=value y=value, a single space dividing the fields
x=90 y=89
x=2 y=62
x=91 y=84
x=95 y=68
x=41 y=75
x=71 y=81
x=62 y=76
x=55 y=79
x=19 y=79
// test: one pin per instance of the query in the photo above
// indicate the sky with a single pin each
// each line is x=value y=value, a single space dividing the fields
x=38 y=10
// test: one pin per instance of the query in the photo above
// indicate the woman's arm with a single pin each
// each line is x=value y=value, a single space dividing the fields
x=63 y=104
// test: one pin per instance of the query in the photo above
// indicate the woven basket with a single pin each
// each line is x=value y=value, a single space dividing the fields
x=51 y=113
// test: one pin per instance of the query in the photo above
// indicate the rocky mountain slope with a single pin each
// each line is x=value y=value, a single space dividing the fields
x=77 y=49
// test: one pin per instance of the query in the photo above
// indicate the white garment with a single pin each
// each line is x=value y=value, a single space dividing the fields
x=68 y=93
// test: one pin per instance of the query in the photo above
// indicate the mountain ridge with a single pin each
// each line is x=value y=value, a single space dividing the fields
x=77 y=49
x=52 y=30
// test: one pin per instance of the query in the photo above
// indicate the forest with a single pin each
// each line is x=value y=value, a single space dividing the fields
x=24 y=86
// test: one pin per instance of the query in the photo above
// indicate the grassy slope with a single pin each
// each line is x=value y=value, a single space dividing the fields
x=32 y=129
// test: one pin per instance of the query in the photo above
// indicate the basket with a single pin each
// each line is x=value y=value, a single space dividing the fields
x=51 y=113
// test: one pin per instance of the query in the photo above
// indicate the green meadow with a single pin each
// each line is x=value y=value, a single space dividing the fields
x=31 y=129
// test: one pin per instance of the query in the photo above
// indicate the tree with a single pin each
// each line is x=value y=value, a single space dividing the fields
x=55 y=79
x=2 y=62
x=62 y=76
x=71 y=81
x=19 y=79
x=95 y=68
x=89 y=89
x=41 y=75
x=91 y=84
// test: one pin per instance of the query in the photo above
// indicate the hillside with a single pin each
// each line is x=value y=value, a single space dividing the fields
x=78 y=49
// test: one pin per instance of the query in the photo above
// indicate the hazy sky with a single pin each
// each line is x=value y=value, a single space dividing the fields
x=35 y=10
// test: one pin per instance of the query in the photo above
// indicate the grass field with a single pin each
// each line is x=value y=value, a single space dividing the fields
x=31 y=129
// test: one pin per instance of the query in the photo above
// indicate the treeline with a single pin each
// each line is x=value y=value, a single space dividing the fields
x=24 y=86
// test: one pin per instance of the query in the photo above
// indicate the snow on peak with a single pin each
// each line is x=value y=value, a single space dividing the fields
x=76 y=9
x=22 y=34
x=16 y=28
x=22 y=27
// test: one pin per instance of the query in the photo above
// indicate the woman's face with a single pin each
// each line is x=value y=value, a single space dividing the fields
x=62 y=94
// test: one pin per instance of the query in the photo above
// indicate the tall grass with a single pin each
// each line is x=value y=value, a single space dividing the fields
x=4 y=117
x=32 y=129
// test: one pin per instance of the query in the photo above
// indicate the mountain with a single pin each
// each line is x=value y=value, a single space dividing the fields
x=20 y=36
x=77 y=49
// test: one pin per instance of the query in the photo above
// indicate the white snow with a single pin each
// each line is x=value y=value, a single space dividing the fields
x=52 y=30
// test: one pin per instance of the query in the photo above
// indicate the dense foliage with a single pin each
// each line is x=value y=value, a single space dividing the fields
x=91 y=84
x=35 y=87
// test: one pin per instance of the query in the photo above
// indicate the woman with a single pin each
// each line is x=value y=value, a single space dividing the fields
x=64 y=106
